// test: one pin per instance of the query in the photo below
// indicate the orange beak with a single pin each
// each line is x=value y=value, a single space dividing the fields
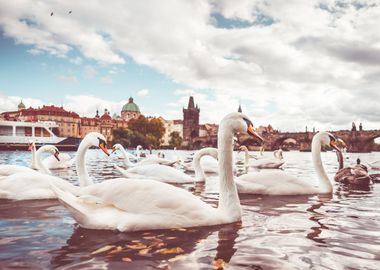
x=253 y=133
x=104 y=148
x=333 y=145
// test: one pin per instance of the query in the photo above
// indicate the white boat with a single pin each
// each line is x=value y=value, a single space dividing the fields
x=21 y=133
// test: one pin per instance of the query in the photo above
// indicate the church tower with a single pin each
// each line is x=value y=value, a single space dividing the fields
x=190 y=121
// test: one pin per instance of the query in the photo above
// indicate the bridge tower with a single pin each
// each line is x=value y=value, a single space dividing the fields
x=190 y=122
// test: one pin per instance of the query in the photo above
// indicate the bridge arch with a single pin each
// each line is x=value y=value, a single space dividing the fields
x=251 y=142
x=286 y=143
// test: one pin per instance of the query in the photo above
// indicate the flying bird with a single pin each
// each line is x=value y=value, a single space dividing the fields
x=70 y=11
x=51 y=14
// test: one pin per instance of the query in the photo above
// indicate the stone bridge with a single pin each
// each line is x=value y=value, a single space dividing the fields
x=357 y=141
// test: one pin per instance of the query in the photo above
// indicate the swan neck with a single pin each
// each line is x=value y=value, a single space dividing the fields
x=127 y=162
x=229 y=201
x=39 y=164
x=339 y=155
x=199 y=172
x=325 y=185
x=34 y=161
x=80 y=163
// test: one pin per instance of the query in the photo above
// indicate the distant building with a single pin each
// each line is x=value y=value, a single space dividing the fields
x=21 y=106
x=170 y=126
x=130 y=110
x=68 y=122
x=208 y=130
x=190 y=122
x=103 y=124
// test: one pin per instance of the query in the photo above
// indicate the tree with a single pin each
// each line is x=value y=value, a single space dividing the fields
x=141 y=131
x=122 y=136
x=175 y=139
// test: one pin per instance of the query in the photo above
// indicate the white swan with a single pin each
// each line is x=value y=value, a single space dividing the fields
x=6 y=170
x=146 y=161
x=30 y=184
x=65 y=161
x=197 y=162
x=281 y=183
x=209 y=164
x=156 y=172
x=137 y=204
x=263 y=163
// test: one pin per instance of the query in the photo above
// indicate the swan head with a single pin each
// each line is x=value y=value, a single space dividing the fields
x=329 y=140
x=116 y=147
x=341 y=144
x=98 y=140
x=241 y=123
x=243 y=148
x=52 y=150
x=139 y=147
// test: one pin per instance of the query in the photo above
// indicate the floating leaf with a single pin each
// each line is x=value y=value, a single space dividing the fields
x=102 y=249
x=149 y=237
x=135 y=241
x=170 y=250
x=171 y=237
x=116 y=250
x=177 y=258
x=181 y=229
x=144 y=251
x=137 y=246
x=126 y=259
x=218 y=264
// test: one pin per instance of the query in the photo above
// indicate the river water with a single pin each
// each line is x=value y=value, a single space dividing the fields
x=341 y=231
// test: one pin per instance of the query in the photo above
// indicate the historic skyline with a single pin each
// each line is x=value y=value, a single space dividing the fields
x=318 y=68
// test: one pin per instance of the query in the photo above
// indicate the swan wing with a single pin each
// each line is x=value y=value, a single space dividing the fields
x=32 y=186
x=161 y=173
x=273 y=183
x=6 y=170
x=65 y=161
x=137 y=204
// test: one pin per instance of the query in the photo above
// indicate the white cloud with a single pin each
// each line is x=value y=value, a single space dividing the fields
x=106 y=79
x=77 y=60
x=10 y=103
x=143 y=92
x=84 y=105
x=90 y=71
x=307 y=64
x=67 y=78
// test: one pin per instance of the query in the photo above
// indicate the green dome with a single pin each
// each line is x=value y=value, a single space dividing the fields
x=21 y=106
x=130 y=106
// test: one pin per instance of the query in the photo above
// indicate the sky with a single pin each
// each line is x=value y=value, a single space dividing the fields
x=290 y=64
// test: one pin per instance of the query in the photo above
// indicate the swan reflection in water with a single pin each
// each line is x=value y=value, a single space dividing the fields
x=155 y=249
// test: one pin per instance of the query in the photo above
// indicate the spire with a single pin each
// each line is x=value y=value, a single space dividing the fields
x=97 y=113
x=191 y=103
x=239 y=109
x=130 y=100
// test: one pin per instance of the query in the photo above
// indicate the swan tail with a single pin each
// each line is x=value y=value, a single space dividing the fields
x=72 y=203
